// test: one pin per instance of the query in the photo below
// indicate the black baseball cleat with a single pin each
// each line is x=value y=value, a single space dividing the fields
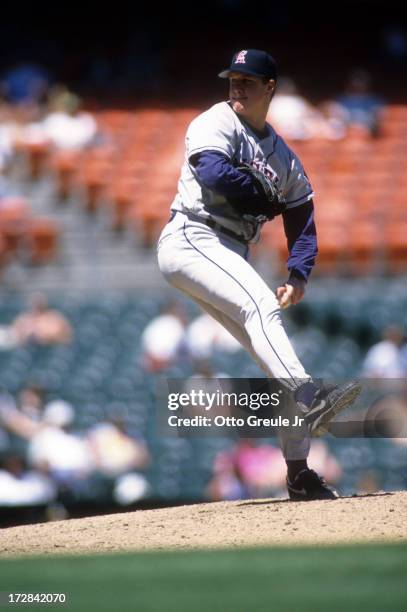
x=327 y=402
x=308 y=486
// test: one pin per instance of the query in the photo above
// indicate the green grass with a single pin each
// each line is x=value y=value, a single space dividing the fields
x=336 y=578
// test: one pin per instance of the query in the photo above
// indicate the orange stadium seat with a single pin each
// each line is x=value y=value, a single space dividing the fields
x=331 y=209
x=37 y=155
x=396 y=246
x=4 y=255
x=65 y=164
x=365 y=244
x=121 y=196
x=332 y=248
x=14 y=215
x=273 y=238
x=368 y=202
x=41 y=240
x=152 y=212
x=360 y=184
x=114 y=120
x=380 y=178
x=95 y=176
x=14 y=208
x=22 y=235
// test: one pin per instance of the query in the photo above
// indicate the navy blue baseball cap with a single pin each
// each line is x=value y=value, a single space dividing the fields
x=254 y=62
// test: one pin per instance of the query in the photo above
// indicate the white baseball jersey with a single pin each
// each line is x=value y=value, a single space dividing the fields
x=220 y=129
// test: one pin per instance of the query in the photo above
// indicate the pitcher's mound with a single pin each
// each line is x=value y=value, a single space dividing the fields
x=263 y=522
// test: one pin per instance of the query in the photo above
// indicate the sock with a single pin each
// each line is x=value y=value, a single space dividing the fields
x=306 y=393
x=294 y=467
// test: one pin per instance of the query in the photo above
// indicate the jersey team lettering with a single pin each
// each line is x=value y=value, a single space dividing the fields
x=219 y=129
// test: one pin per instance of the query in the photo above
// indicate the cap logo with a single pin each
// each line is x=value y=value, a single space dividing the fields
x=241 y=57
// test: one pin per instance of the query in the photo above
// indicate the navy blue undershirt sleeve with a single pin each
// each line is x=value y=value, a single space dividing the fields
x=299 y=227
x=215 y=171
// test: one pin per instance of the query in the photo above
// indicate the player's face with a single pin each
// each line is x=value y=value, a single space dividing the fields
x=248 y=94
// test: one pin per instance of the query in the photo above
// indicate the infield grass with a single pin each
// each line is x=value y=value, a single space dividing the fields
x=335 y=578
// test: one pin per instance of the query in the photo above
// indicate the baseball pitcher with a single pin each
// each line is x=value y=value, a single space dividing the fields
x=237 y=175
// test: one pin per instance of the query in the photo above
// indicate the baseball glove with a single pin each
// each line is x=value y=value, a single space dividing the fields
x=271 y=201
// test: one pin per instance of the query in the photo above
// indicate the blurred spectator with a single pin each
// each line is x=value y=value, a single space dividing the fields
x=295 y=118
x=25 y=83
x=205 y=334
x=403 y=358
x=73 y=461
x=163 y=341
x=66 y=126
x=252 y=469
x=130 y=488
x=120 y=456
x=14 y=136
x=30 y=402
x=7 y=338
x=63 y=454
x=322 y=461
x=360 y=106
x=52 y=448
x=387 y=416
x=203 y=368
x=6 y=145
x=41 y=324
x=248 y=471
x=114 y=451
x=20 y=486
x=385 y=359
x=209 y=383
x=382 y=414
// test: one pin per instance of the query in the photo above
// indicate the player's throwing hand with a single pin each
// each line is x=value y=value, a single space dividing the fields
x=291 y=292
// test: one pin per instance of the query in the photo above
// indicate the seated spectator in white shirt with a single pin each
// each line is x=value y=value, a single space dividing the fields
x=52 y=448
x=20 y=486
x=66 y=126
x=63 y=454
x=384 y=359
x=163 y=341
x=295 y=118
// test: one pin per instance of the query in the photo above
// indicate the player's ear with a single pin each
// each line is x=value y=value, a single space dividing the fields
x=271 y=86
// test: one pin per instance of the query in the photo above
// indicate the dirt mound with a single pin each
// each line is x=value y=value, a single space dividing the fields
x=263 y=522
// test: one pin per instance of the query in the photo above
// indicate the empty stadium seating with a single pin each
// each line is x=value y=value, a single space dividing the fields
x=360 y=185
x=23 y=235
